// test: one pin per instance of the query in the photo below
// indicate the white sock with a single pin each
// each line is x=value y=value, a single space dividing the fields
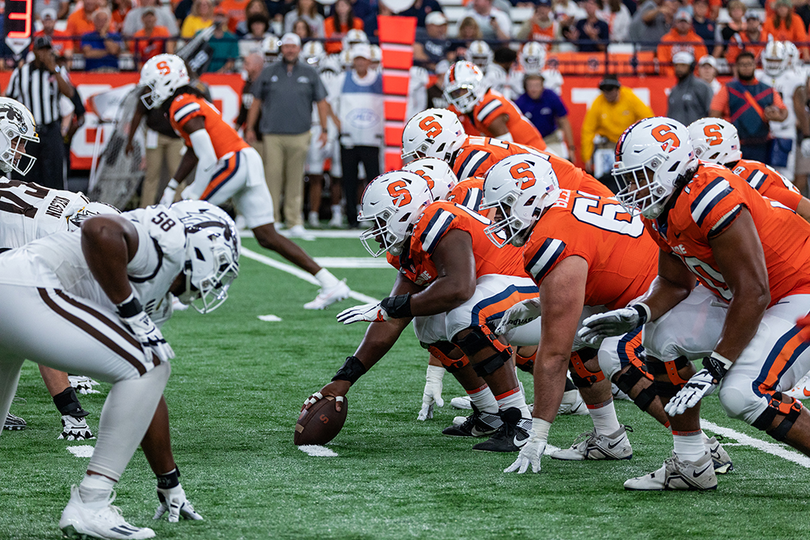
x=484 y=399
x=326 y=279
x=689 y=445
x=95 y=489
x=337 y=210
x=604 y=418
x=514 y=398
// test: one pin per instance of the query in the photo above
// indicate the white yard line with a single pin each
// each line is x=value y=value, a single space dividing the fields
x=338 y=233
x=765 y=446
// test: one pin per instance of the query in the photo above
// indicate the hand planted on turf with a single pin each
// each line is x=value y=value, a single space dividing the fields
x=699 y=385
x=613 y=323
x=433 y=392
x=364 y=312
x=519 y=314
x=337 y=389
x=174 y=501
x=530 y=454
x=149 y=335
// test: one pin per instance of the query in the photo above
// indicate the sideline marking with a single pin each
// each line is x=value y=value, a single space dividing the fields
x=247 y=233
x=269 y=318
x=352 y=262
x=764 y=446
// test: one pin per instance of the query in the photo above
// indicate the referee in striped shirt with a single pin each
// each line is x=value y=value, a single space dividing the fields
x=38 y=85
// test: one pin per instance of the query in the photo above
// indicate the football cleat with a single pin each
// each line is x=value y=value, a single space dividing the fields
x=14 y=423
x=75 y=429
x=676 y=475
x=618 y=394
x=313 y=220
x=572 y=403
x=478 y=424
x=720 y=458
x=82 y=384
x=801 y=390
x=81 y=520
x=328 y=296
x=513 y=434
x=589 y=445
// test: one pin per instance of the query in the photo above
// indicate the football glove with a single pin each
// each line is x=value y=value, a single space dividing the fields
x=806 y=148
x=365 y=312
x=174 y=501
x=148 y=335
x=519 y=314
x=613 y=323
x=433 y=392
x=699 y=385
x=168 y=194
x=83 y=385
x=530 y=454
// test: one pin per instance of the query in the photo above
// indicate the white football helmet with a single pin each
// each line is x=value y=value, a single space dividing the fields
x=353 y=37
x=212 y=254
x=520 y=187
x=775 y=58
x=715 y=140
x=312 y=53
x=437 y=173
x=436 y=133
x=270 y=49
x=464 y=86
x=480 y=54
x=91 y=209
x=794 y=58
x=162 y=75
x=17 y=128
x=651 y=157
x=346 y=61
x=392 y=202
x=532 y=58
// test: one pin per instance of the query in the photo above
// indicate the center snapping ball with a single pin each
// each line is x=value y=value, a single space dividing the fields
x=321 y=422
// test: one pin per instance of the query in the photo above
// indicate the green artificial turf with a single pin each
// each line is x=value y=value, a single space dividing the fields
x=236 y=389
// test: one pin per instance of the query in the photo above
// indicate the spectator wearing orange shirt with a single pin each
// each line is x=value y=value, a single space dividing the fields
x=80 y=22
x=236 y=12
x=146 y=47
x=541 y=26
x=336 y=25
x=784 y=25
x=750 y=39
x=682 y=38
x=61 y=47
x=119 y=9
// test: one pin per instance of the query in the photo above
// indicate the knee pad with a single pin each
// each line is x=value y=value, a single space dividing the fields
x=627 y=380
x=582 y=376
x=478 y=338
x=442 y=350
x=779 y=405
x=525 y=363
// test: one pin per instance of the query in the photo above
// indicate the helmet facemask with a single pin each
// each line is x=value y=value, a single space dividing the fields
x=13 y=156
x=642 y=193
x=208 y=275
x=383 y=236
x=463 y=97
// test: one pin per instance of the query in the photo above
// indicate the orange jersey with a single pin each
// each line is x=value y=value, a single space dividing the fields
x=224 y=138
x=673 y=43
x=740 y=42
x=468 y=193
x=478 y=154
x=436 y=220
x=492 y=106
x=768 y=182
x=622 y=259
x=708 y=205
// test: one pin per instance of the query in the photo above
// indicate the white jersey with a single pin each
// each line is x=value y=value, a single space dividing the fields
x=29 y=211
x=785 y=84
x=57 y=261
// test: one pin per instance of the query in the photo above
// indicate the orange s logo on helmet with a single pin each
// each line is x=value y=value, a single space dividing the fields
x=713 y=134
x=431 y=126
x=664 y=135
x=522 y=171
x=399 y=192
x=427 y=178
x=163 y=67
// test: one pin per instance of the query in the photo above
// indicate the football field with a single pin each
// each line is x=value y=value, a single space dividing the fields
x=236 y=389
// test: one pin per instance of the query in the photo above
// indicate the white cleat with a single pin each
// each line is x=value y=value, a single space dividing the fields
x=720 y=458
x=573 y=404
x=75 y=429
x=100 y=520
x=328 y=296
x=298 y=231
x=313 y=220
x=618 y=394
x=589 y=445
x=801 y=390
x=177 y=305
x=677 y=475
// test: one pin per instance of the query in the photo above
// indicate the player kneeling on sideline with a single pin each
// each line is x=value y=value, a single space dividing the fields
x=453 y=283
x=227 y=166
x=86 y=301
x=750 y=255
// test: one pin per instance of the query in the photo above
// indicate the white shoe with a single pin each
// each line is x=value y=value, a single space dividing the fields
x=573 y=404
x=618 y=394
x=82 y=384
x=177 y=305
x=801 y=390
x=75 y=429
x=80 y=520
x=677 y=475
x=461 y=402
x=313 y=220
x=720 y=458
x=589 y=445
x=327 y=297
x=337 y=217
x=298 y=231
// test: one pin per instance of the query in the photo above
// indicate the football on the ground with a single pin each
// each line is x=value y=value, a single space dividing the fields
x=321 y=422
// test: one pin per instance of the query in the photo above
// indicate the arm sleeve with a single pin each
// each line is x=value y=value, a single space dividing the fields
x=207 y=160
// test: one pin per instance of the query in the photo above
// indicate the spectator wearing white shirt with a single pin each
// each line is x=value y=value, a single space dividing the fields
x=618 y=17
x=494 y=23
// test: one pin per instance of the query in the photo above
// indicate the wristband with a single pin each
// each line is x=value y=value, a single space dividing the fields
x=397 y=307
x=129 y=307
x=717 y=364
x=172 y=184
x=643 y=312
x=169 y=480
x=351 y=370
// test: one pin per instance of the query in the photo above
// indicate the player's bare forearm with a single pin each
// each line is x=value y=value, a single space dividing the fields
x=562 y=295
x=455 y=283
x=670 y=287
x=108 y=244
x=187 y=164
x=741 y=261
x=135 y=122
x=498 y=126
